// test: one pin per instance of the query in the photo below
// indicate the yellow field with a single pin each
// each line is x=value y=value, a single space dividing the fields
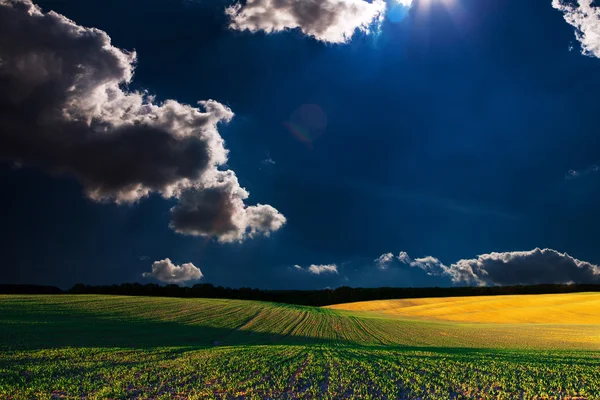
x=560 y=309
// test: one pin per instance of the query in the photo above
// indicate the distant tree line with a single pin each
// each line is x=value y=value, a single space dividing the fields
x=29 y=289
x=323 y=297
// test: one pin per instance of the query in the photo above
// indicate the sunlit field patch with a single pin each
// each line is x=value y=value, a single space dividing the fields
x=566 y=309
x=143 y=347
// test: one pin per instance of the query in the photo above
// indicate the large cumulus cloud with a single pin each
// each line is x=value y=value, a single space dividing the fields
x=64 y=106
x=537 y=266
x=218 y=207
x=585 y=18
x=526 y=267
x=333 y=21
x=167 y=272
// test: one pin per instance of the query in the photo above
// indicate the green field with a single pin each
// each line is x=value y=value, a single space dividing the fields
x=87 y=346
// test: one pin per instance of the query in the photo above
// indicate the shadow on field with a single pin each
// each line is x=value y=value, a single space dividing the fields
x=40 y=331
x=48 y=330
x=30 y=323
x=43 y=330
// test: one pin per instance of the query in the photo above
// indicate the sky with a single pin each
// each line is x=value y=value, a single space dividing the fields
x=300 y=144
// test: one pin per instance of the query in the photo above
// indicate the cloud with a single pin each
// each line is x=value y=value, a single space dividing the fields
x=574 y=174
x=323 y=269
x=429 y=264
x=585 y=18
x=404 y=258
x=319 y=269
x=527 y=267
x=216 y=208
x=166 y=271
x=384 y=260
x=332 y=21
x=64 y=106
x=537 y=266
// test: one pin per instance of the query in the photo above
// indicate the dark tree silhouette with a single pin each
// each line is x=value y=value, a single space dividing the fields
x=342 y=294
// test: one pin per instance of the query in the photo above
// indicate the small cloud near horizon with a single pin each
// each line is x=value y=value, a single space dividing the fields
x=319 y=269
x=167 y=272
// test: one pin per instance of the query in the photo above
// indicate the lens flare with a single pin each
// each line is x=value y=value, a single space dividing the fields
x=307 y=123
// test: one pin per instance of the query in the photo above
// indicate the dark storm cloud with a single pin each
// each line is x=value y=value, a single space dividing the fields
x=218 y=208
x=537 y=266
x=333 y=21
x=584 y=16
x=63 y=106
x=528 y=267
x=167 y=272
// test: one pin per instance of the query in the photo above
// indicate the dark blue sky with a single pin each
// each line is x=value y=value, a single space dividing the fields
x=448 y=133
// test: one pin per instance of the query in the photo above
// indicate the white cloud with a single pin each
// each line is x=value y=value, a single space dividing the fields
x=65 y=108
x=585 y=18
x=332 y=21
x=404 y=258
x=537 y=266
x=323 y=269
x=429 y=264
x=384 y=260
x=319 y=269
x=166 y=271
x=525 y=267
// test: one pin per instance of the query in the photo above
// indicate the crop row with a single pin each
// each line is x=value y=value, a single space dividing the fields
x=294 y=372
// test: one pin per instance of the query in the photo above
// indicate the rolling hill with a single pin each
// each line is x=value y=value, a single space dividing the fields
x=564 y=309
x=96 y=346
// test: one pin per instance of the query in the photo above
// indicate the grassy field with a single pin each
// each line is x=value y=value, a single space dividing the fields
x=143 y=347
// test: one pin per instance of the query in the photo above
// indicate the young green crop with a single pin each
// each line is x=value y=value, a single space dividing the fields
x=297 y=371
x=129 y=347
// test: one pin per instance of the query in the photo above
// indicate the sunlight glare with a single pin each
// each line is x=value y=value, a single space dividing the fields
x=427 y=3
x=399 y=8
